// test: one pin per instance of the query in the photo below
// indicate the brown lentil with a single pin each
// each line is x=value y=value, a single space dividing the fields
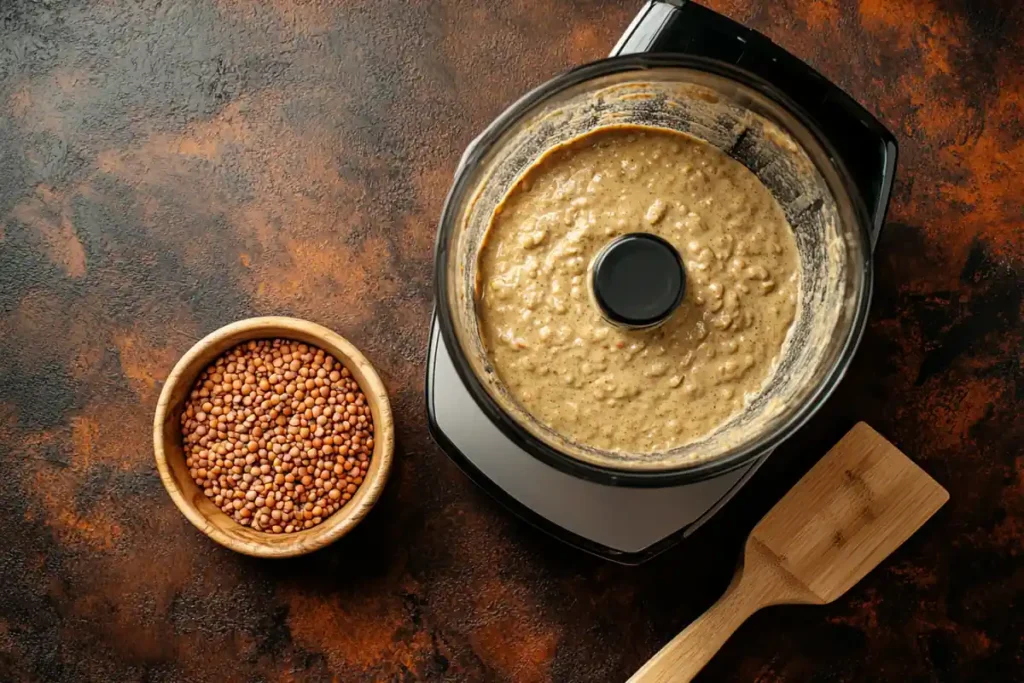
x=264 y=437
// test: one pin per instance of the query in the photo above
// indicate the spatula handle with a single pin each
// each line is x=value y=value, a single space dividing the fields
x=686 y=654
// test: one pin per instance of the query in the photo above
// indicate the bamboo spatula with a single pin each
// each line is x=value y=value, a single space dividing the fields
x=856 y=506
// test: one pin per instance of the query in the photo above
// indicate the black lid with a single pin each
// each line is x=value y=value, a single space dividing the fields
x=638 y=280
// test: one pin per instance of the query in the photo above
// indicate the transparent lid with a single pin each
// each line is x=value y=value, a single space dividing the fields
x=747 y=120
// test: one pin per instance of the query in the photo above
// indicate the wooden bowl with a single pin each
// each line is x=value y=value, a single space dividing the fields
x=200 y=510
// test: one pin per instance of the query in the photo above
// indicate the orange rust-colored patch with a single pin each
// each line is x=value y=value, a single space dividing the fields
x=110 y=161
x=308 y=18
x=21 y=102
x=42 y=103
x=1009 y=533
x=978 y=641
x=962 y=152
x=289 y=231
x=161 y=579
x=95 y=532
x=431 y=186
x=85 y=431
x=824 y=14
x=196 y=148
x=952 y=416
x=587 y=42
x=864 y=612
x=894 y=19
x=69 y=80
x=206 y=139
x=361 y=633
x=144 y=364
x=33 y=323
x=508 y=636
x=992 y=166
x=920 y=576
x=55 y=488
x=738 y=10
x=85 y=359
x=525 y=658
x=67 y=250
x=347 y=281
x=48 y=212
x=162 y=155
x=33 y=446
x=125 y=443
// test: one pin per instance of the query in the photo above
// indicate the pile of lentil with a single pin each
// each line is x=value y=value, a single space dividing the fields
x=278 y=434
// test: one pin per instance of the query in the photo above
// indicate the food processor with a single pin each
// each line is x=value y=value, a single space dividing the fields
x=827 y=162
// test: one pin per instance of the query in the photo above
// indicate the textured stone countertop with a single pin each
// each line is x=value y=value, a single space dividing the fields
x=169 y=166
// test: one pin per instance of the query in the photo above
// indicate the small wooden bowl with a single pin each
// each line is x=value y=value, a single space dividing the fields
x=207 y=517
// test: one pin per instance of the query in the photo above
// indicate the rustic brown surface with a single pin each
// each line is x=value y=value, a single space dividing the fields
x=169 y=166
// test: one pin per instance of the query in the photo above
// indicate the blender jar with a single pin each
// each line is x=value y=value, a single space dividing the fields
x=754 y=124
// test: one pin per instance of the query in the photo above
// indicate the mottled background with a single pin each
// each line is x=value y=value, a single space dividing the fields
x=168 y=166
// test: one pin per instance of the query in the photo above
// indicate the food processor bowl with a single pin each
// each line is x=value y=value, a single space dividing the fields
x=753 y=123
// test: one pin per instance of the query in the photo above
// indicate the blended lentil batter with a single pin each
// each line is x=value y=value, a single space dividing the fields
x=649 y=390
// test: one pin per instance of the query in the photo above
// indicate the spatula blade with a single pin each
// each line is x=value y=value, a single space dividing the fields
x=854 y=508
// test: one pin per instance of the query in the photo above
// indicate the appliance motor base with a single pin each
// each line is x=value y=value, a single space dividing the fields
x=631 y=525
x=627 y=525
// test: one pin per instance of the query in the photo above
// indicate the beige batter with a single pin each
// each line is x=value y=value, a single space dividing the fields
x=638 y=391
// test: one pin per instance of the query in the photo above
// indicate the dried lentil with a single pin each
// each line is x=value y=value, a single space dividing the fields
x=264 y=437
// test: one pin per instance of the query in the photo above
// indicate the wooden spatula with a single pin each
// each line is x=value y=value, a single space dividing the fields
x=856 y=506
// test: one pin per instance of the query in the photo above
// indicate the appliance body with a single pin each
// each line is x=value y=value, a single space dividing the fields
x=632 y=524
